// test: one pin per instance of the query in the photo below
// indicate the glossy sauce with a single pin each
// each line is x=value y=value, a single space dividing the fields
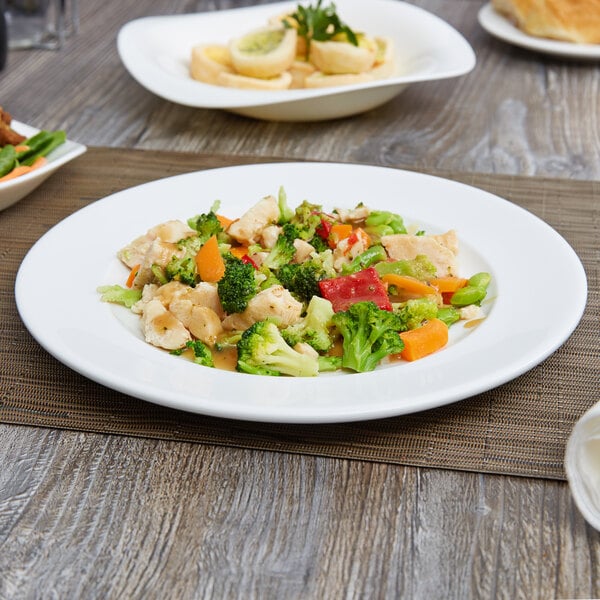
x=473 y=323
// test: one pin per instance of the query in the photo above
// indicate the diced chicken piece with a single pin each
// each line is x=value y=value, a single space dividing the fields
x=467 y=313
x=448 y=239
x=148 y=293
x=269 y=236
x=158 y=253
x=274 y=302
x=440 y=249
x=344 y=252
x=161 y=328
x=303 y=250
x=304 y=348
x=205 y=324
x=171 y=292
x=259 y=258
x=133 y=254
x=248 y=228
x=170 y=232
x=202 y=322
x=355 y=216
x=207 y=294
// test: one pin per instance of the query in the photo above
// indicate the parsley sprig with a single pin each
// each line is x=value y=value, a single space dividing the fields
x=320 y=23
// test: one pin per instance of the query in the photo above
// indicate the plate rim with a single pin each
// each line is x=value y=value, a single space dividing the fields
x=490 y=20
x=462 y=391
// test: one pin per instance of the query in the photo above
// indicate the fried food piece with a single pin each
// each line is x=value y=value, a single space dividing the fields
x=7 y=134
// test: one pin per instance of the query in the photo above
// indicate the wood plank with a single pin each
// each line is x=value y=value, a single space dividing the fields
x=96 y=516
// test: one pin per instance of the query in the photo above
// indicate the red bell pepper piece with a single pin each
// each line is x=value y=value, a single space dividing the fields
x=363 y=286
x=246 y=259
x=323 y=229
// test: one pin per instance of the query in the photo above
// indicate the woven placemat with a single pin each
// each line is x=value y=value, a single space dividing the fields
x=519 y=428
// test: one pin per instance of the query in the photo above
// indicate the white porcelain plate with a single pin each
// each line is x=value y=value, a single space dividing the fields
x=13 y=190
x=501 y=28
x=524 y=322
x=156 y=51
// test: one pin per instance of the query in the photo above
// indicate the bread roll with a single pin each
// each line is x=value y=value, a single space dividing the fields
x=567 y=20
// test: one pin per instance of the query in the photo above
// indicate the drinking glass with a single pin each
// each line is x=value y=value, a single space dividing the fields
x=40 y=23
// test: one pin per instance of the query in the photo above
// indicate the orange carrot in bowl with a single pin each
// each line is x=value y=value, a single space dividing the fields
x=209 y=262
x=408 y=284
x=339 y=232
x=24 y=169
x=448 y=284
x=424 y=340
x=132 y=274
x=239 y=251
x=225 y=221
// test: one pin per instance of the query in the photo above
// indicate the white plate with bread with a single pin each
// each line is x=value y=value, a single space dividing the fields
x=157 y=53
x=553 y=27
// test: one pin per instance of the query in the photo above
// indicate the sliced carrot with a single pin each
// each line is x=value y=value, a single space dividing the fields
x=23 y=169
x=424 y=340
x=21 y=148
x=239 y=251
x=448 y=284
x=339 y=232
x=209 y=262
x=132 y=274
x=409 y=284
x=225 y=221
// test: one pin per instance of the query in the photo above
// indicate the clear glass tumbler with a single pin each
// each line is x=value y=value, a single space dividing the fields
x=40 y=23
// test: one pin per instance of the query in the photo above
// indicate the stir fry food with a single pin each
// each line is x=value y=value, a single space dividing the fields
x=282 y=291
x=19 y=155
x=308 y=48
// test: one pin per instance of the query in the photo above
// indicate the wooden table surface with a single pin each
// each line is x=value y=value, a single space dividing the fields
x=97 y=516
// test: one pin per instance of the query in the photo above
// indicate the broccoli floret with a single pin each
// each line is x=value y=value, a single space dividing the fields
x=182 y=269
x=318 y=243
x=413 y=312
x=265 y=278
x=228 y=341
x=237 y=286
x=207 y=225
x=313 y=328
x=324 y=260
x=283 y=251
x=119 y=295
x=369 y=335
x=383 y=222
x=159 y=274
x=329 y=363
x=263 y=351
x=307 y=218
x=302 y=279
x=285 y=212
x=202 y=354
x=419 y=267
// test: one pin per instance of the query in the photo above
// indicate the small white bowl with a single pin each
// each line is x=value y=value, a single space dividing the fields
x=13 y=190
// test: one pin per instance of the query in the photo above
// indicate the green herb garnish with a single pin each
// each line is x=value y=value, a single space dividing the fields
x=320 y=23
